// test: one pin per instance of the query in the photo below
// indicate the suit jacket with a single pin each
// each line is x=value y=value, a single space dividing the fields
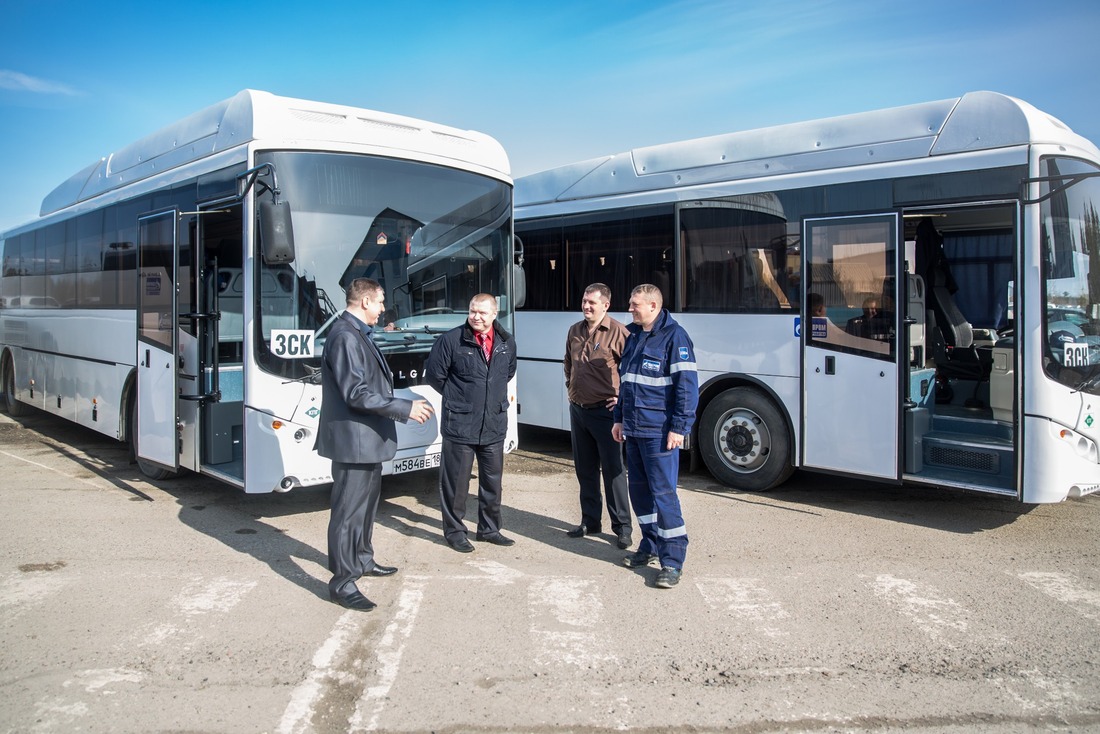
x=358 y=408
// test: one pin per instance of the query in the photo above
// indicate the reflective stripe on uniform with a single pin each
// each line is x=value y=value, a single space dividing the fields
x=672 y=532
x=645 y=380
x=647 y=519
x=683 y=367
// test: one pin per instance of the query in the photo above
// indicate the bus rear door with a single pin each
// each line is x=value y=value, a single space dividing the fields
x=850 y=332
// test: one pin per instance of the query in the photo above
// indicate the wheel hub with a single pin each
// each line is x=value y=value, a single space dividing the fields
x=744 y=442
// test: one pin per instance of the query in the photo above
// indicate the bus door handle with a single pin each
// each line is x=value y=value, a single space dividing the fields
x=830 y=365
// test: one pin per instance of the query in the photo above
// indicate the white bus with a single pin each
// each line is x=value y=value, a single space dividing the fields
x=176 y=294
x=780 y=252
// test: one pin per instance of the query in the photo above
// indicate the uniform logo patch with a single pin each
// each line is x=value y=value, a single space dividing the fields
x=651 y=364
x=683 y=354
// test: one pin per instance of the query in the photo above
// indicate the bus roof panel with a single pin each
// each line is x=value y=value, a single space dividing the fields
x=975 y=121
x=253 y=115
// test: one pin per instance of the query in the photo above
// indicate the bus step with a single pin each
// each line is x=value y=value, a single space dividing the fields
x=968 y=452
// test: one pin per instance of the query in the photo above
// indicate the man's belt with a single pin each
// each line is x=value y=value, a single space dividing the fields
x=592 y=406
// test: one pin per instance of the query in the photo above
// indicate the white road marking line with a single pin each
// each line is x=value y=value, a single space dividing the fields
x=1057 y=693
x=95 y=679
x=747 y=599
x=299 y=711
x=922 y=605
x=30 y=587
x=85 y=480
x=389 y=652
x=1066 y=589
x=490 y=571
x=198 y=598
x=567 y=614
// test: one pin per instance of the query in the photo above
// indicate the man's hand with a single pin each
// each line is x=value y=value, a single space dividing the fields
x=617 y=432
x=675 y=441
x=421 y=411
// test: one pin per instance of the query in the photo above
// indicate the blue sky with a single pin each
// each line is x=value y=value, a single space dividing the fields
x=553 y=81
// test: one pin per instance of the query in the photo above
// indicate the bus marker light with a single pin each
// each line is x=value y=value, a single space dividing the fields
x=276 y=425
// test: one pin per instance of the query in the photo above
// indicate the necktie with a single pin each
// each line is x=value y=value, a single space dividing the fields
x=483 y=340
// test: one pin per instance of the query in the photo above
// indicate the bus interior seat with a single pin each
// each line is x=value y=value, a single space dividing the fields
x=918 y=350
x=950 y=335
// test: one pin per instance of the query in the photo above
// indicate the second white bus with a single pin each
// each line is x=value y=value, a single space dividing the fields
x=910 y=294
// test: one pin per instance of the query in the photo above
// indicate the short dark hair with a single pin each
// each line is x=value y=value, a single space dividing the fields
x=603 y=290
x=650 y=292
x=361 y=287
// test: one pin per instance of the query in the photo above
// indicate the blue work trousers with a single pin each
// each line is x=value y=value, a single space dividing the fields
x=652 y=472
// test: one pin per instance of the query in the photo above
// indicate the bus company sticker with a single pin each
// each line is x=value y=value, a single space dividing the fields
x=820 y=328
x=651 y=364
x=292 y=343
x=1088 y=421
x=313 y=412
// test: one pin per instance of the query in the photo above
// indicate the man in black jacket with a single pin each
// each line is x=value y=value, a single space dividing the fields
x=470 y=366
x=357 y=431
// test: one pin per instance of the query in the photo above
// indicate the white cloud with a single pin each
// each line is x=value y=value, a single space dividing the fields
x=23 y=83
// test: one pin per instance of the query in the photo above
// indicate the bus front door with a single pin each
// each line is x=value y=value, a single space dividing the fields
x=850 y=331
x=155 y=434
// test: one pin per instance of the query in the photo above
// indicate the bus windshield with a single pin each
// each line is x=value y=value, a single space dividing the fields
x=432 y=236
x=1071 y=275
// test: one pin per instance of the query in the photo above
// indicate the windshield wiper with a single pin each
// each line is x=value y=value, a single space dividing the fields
x=1089 y=382
x=313 y=376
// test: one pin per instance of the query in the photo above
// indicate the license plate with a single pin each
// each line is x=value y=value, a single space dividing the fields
x=415 y=463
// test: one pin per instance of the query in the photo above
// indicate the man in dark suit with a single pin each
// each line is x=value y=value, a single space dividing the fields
x=470 y=366
x=357 y=432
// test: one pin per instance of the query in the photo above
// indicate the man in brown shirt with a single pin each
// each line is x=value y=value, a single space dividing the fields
x=593 y=350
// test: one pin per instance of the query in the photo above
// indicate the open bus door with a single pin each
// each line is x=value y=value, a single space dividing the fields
x=850 y=332
x=157 y=347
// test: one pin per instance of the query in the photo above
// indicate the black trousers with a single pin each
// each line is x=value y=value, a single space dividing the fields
x=596 y=452
x=356 y=489
x=454 y=486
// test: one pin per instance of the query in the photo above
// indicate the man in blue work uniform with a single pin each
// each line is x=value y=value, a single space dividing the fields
x=658 y=393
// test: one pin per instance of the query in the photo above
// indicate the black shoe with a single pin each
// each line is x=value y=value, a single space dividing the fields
x=354 y=600
x=462 y=545
x=380 y=570
x=495 y=539
x=582 y=530
x=668 y=577
x=639 y=560
x=624 y=540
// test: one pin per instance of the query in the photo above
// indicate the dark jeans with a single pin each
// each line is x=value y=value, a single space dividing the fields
x=454 y=486
x=595 y=451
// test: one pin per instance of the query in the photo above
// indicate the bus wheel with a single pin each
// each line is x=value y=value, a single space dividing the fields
x=11 y=402
x=150 y=471
x=744 y=440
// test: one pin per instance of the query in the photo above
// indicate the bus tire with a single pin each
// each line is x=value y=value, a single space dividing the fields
x=744 y=440
x=11 y=401
x=151 y=471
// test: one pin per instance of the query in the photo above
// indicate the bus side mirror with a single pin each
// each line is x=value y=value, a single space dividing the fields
x=276 y=233
x=519 y=278
x=519 y=286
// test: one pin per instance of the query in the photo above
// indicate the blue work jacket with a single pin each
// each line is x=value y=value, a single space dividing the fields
x=659 y=382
